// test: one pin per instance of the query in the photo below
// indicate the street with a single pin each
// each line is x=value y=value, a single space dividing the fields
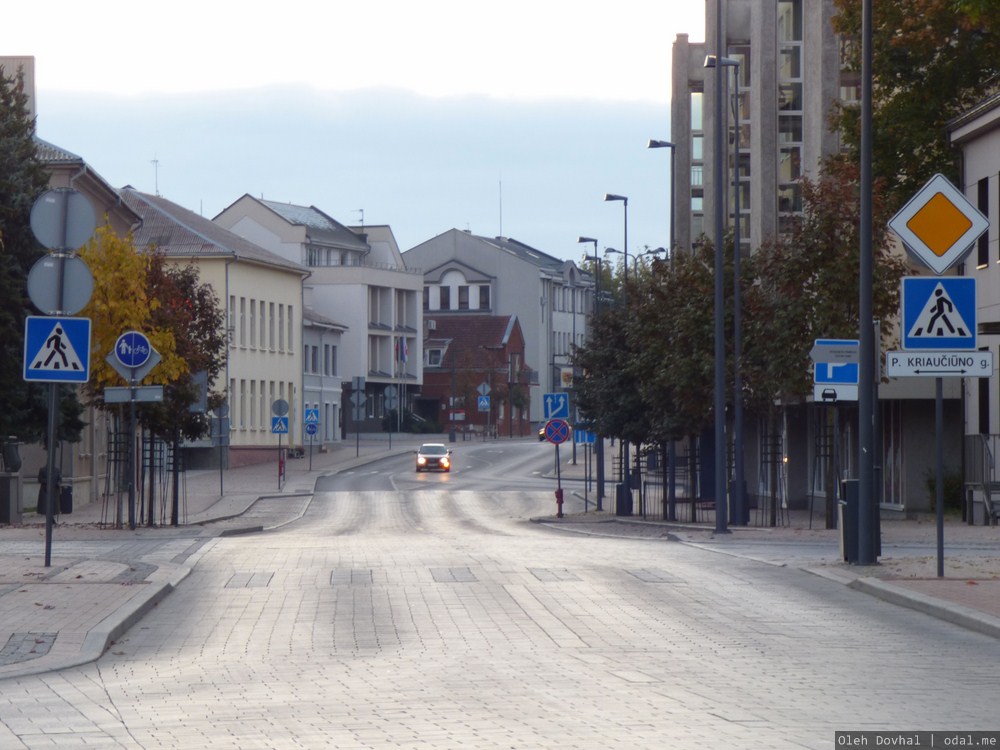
x=428 y=611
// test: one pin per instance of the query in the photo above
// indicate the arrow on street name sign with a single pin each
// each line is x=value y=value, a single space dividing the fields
x=958 y=364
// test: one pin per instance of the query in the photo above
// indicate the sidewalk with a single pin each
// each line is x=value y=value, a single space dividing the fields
x=98 y=586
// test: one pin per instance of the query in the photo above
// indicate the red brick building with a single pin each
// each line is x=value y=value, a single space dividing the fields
x=467 y=357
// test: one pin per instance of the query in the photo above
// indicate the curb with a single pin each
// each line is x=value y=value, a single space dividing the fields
x=957 y=614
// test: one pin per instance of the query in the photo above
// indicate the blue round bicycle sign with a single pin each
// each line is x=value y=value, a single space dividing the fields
x=132 y=349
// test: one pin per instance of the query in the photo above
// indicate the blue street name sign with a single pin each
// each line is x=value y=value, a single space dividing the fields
x=56 y=350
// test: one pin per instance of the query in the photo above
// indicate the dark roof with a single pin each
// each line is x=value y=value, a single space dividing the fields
x=311 y=316
x=319 y=226
x=470 y=335
x=52 y=154
x=178 y=232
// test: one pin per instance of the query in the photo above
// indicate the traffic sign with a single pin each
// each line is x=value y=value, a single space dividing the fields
x=311 y=416
x=584 y=436
x=978 y=364
x=557 y=431
x=834 y=351
x=483 y=389
x=44 y=284
x=142 y=393
x=938 y=312
x=312 y=428
x=831 y=393
x=556 y=405
x=56 y=350
x=841 y=373
x=279 y=425
x=132 y=349
x=939 y=224
x=483 y=402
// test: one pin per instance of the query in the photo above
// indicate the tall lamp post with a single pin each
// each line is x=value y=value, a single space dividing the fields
x=738 y=495
x=600 y=438
x=721 y=509
x=671 y=447
x=624 y=444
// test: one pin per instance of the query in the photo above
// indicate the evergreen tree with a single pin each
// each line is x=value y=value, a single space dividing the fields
x=23 y=406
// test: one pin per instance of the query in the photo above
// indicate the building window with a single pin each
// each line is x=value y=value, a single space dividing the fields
x=270 y=322
x=433 y=357
x=427 y=298
x=463 y=298
x=696 y=102
x=445 y=296
x=253 y=323
x=484 y=297
x=790 y=20
x=243 y=321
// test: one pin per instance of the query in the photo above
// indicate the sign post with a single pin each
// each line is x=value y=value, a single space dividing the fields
x=939 y=226
x=62 y=220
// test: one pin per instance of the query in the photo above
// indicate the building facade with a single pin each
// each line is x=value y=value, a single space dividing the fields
x=783 y=73
x=475 y=375
x=552 y=299
x=356 y=278
x=263 y=300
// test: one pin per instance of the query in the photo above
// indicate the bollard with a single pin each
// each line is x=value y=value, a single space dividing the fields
x=559 y=502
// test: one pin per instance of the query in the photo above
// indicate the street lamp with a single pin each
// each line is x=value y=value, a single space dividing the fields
x=738 y=499
x=653 y=143
x=597 y=310
x=721 y=511
x=624 y=200
x=671 y=448
x=624 y=444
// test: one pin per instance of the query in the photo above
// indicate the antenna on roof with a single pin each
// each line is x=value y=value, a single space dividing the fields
x=500 y=182
x=156 y=176
x=362 y=212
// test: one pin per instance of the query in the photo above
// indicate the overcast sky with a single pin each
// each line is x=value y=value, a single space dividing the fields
x=509 y=117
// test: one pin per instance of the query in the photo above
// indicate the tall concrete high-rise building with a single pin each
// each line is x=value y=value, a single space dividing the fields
x=787 y=76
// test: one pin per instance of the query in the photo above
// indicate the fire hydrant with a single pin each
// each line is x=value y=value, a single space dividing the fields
x=559 y=502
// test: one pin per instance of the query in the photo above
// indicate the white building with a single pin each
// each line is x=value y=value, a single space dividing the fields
x=552 y=298
x=263 y=299
x=358 y=278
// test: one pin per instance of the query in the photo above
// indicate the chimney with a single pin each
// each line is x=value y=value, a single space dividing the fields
x=14 y=66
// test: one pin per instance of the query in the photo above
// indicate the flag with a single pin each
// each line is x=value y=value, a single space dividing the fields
x=402 y=350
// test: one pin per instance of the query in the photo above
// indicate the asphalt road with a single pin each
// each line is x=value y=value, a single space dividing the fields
x=428 y=611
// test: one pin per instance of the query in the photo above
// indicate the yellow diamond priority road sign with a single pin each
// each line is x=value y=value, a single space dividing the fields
x=939 y=224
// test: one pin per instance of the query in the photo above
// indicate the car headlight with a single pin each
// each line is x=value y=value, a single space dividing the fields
x=445 y=462
x=421 y=460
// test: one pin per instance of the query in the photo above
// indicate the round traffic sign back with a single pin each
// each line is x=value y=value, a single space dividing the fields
x=132 y=349
x=63 y=219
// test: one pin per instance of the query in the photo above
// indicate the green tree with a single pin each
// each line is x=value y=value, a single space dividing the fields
x=191 y=311
x=931 y=60
x=23 y=406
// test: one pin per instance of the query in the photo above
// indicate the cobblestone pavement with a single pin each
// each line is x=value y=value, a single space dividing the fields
x=103 y=580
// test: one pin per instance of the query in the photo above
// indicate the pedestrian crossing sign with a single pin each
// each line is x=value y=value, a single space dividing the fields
x=938 y=313
x=56 y=350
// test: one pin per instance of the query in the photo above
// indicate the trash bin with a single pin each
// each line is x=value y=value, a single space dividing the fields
x=848 y=520
x=66 y=499
x=10 y=498
x=451 y=435
x=623 y=500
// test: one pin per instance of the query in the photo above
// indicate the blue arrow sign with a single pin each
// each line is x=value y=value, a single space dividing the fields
x=56 y=350
x=279 y=425
x=938 y=312
x=556 y=405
